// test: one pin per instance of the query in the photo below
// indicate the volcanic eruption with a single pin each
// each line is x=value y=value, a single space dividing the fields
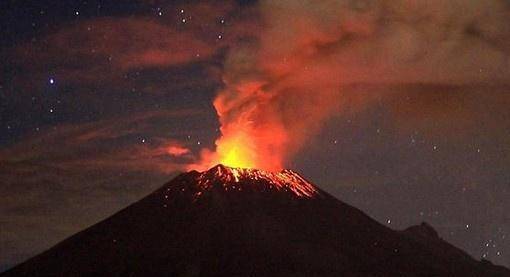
x=247 y=222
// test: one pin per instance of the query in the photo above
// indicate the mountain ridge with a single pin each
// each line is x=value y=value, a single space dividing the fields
x=231 y=222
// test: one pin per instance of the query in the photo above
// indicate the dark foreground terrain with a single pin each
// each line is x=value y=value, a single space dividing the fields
x=233 y=222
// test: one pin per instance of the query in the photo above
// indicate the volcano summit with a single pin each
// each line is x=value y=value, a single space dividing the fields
x=247 y=222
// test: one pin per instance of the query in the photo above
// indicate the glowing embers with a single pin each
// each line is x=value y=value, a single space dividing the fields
x=239 y=179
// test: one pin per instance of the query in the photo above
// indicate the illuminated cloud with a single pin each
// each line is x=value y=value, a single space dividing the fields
x=294 y=73
x=128 y=144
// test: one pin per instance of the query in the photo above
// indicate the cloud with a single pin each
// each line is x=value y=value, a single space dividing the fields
x=386 y=41
x=65 y=178
x=103 y=50
x=177 y=150
x=129 y=143
x=292 y=75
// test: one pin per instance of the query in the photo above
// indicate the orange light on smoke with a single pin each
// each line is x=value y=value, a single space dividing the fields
x=250 y=136
x=235 y=151
x=176 y=150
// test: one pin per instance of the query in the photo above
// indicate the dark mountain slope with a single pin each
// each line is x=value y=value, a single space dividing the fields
x=237 y=222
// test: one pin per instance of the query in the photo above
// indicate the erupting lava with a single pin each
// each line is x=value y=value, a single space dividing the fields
x=236 y=151
x=238 y=179
x=251 y=138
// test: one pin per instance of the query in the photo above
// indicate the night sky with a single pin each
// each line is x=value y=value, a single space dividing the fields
x=399 y=108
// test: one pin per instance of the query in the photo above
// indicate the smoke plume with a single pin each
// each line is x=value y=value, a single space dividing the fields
x=283 y=82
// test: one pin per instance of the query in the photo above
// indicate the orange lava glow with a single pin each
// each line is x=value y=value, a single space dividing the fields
x=245 y=147
x=229 y=178
x=236 y=151
x=240 y=147
x=250 y=139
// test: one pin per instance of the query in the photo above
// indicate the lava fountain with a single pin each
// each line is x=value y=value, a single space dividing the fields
x=250 y=136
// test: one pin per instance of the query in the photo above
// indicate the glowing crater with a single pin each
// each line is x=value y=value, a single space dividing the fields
x=235 y=179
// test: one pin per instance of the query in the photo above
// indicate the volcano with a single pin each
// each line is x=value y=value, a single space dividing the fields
x=247 y=222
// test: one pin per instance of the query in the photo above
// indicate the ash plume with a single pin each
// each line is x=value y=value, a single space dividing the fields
x=286 y=79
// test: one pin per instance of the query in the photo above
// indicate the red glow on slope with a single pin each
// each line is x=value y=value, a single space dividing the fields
x=239 y=179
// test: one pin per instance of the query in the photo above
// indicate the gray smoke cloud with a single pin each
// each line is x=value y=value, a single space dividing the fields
x=290 y=76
